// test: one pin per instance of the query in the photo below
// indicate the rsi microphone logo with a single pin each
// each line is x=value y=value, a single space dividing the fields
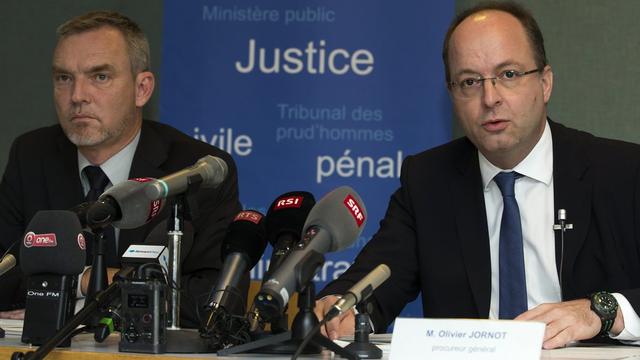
x=288 y=202
x=354 y=209
x=32 y=239
x=249 y=215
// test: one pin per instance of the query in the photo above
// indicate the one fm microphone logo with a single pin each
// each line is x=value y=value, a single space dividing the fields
x=354 y=209
x=32 y=239
x=288 y=202
x=248 y=215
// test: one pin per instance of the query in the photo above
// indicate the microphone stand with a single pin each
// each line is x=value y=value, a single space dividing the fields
x=97 y=283
x=181 y=340
x=303 y=325
x=98 y=279
x=97 y=304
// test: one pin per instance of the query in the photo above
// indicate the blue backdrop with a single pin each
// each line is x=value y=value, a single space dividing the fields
x=309 y=95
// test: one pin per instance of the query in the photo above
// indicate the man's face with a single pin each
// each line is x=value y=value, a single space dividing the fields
x=94 y=89
x=504 y=123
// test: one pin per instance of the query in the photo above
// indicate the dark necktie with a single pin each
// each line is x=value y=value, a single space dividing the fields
x=98 y=181
x=513 y=284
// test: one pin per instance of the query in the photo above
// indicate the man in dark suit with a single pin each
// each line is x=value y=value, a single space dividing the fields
x=472 y=226
x=101 y=82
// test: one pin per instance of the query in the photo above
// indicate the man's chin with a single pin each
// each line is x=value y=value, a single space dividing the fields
x=85 y=139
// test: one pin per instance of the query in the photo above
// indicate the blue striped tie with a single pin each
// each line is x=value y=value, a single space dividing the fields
x=513 y=284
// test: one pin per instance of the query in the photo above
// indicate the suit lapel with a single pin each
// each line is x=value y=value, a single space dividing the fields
x=471 y=222
x=63 y=194
x=572 y=192
x=150 y=154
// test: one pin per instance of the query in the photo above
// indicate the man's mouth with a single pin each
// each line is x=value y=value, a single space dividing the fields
x=495 y=125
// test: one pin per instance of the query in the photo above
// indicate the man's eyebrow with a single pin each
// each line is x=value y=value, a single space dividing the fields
x=57 y=69
x=502 y=65
x=101 y=67
x=93 y=69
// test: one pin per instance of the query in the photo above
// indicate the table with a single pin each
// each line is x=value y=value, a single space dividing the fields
x=85 y=348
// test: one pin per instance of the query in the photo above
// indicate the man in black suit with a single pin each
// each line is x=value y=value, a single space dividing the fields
x=472 y=226
x=101 y=82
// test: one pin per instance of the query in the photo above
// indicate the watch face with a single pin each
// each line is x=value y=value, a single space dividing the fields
x=605 y=302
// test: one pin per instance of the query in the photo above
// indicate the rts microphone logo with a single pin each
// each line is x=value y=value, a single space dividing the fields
x=248 y=215
x=32 y=239
x=288 y=202
x=354 y=209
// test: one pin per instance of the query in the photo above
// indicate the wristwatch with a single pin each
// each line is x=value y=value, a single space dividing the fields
x=605 y=306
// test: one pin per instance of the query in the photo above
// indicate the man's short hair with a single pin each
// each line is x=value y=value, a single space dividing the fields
x=523 y=15
x=137 y=43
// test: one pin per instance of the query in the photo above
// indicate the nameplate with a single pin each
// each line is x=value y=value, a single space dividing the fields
x=140 y=253
x=454 y=339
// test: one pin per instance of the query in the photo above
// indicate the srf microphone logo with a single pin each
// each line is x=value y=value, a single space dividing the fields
x=354 y=209
x=32 y=239
x=248 y=215
x=142 y=180
x=154 y=209
x=288 y=202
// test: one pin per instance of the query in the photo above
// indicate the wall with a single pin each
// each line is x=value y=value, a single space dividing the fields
x=592 y=45
x=27 y=35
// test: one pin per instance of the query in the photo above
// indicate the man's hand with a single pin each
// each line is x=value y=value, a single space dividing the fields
x=86 y=275
x=339 y=326
x=13 y=314
x=568 y=321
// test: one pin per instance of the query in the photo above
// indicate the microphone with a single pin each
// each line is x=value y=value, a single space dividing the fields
x=333 y=224
x=135 y=202
x=360 y=291
x=284 y=222
x=8 y=260
x=7 y=263
x=241 y=250
x=52 y=254
x=212 y=170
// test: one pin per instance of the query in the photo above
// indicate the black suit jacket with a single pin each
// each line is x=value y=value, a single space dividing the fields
x=434 y=236
x=42 y=173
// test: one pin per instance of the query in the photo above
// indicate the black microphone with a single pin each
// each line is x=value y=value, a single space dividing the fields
x=360 y=291
x=241 y=250
x=334 y=223
x=52 y=255
x=284 y=222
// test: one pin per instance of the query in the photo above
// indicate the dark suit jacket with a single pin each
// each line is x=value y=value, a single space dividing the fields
x=434 y=235
x=42 y=173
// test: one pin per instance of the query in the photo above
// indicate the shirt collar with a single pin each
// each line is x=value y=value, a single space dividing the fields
x=538 y=164
x=116 y=167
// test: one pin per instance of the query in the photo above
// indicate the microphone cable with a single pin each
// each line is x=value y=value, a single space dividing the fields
x=308 y=337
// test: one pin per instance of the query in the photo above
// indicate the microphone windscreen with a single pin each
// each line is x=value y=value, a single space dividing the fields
x=342 y=214
x=214 y=170
x=53 y=243
x=246 y=234
x=287 y=215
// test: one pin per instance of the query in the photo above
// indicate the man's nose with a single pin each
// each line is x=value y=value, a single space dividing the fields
x=491 y=95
